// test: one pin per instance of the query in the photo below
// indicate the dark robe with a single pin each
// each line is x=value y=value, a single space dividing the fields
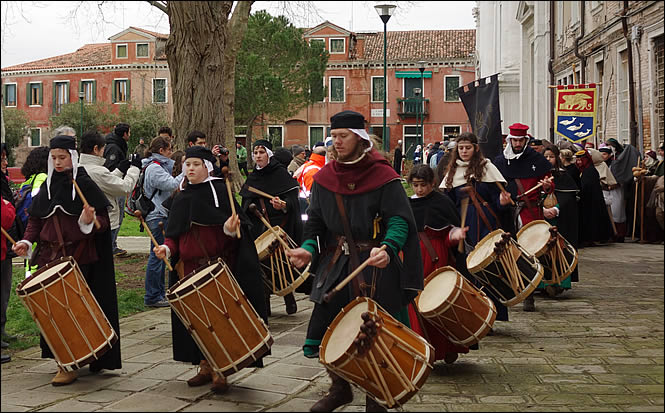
x=364 y=200
x=193 y=215
x=397 y=161
x=95 y=258
x=435 y=216
x=574 y=173
x=652 y=231
x=595 y=225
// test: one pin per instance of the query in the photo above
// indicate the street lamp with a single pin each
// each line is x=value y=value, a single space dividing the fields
x=385 y=11
x=416 y=94
x=81 y=97
x=421 y=67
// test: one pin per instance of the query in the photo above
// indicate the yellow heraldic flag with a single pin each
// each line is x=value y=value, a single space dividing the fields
x=575 y=111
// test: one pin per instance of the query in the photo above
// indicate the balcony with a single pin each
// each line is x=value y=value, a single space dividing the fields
x=412 y=107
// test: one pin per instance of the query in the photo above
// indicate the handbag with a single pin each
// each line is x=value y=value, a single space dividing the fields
x=550 y=200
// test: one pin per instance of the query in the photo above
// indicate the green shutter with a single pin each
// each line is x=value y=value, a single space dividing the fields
x=27 y=95
x=94 y=91
x=113 y=92
x=371 y=130
x=80 y=86
x=387 y=133
x=4 y=95
x=69 y=97
x=41 y=93
x=55 y=102
x=128 y=91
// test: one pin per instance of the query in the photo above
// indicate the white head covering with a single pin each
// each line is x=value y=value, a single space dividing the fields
x=51 y=168
x=363 y=134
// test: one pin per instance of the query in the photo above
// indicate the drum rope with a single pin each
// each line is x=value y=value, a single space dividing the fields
x=375 y=365
x=288 y=264
x=375 y=379
x=27 y=301
x=392 y=363
x=90 y=311
x=272 y=271
x=281 y=265
x=489 y=285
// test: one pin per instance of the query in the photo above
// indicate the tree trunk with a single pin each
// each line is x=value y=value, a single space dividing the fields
x=248 y=141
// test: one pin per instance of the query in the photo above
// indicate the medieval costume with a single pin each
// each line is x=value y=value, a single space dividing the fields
x=435 y=216
x=273 y=179
x=356 y=206
x=482 y=216
x=195 y=234
x=55 y=225
x=595 y=221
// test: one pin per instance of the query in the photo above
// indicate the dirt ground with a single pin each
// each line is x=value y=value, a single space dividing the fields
x=130 y=271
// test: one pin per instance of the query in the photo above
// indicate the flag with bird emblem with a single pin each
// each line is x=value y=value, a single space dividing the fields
x=575 y=111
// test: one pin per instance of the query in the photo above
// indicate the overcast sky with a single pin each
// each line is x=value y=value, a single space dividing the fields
x=33 y=30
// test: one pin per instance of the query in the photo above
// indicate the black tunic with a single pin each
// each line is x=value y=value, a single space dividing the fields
x=595 y=225
x=567 y=222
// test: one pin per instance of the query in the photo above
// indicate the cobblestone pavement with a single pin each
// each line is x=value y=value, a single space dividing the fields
x=597 y=347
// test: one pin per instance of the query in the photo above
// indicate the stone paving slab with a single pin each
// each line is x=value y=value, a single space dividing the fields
x=595 y=347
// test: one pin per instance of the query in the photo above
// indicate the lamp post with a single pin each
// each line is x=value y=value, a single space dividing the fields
x=385 y=11
x=416 y=94
x=421 y=104
x=81 y=97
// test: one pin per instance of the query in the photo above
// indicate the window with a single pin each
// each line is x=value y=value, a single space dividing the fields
x=321 y=42
x=337 y=46
x=275 y=135
x=574 y=12
x=35 y=137
x=60 y=95
x=240 y=132
x=120 y=91
x=378 y=88
x=9 y=95
x=451 y=132
x=121 y=51
x=35 y=94
x=158 y=90
x=623 y=105
x=142 y=50
x=315 y=135
x=317 y=88
x=451 y=83
x=599 y=68
x=337 y=89
x=89 y=88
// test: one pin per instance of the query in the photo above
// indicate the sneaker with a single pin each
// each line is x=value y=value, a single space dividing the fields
x=6 y=358
x=119 y=252
x=5 y=344
x=160 y=303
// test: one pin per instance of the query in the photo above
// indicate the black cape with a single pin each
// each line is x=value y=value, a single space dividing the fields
x=595 y=225
x=567 y=222
x=196 y=204
x=435 y=210
x=531 y=164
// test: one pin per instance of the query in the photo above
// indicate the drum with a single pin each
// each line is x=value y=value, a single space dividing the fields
x=284 y=277
x=394 y=367
x=455 y=307
x=221 y=320
x=558 y=256
x=67 y=314
x=501 y=264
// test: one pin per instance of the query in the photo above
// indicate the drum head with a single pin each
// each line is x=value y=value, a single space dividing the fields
x=437 y=290
x=40 y=277
x=264 y=240
x=186 y=282
x=345 y=332
x=534 y=236
x=484 y=249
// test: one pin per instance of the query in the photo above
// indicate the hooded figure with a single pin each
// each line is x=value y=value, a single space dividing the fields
x=595 y=225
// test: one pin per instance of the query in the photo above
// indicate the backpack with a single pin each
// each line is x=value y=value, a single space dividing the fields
x=138 y=200
x=23 y=200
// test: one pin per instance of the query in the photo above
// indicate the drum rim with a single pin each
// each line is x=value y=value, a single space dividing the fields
x=108 y=345
x=49 y=280
x=261 y=351
x=533 y=284
x=492 y=318
x=533 y=223
x=429 y=278
x=297 y=283
x=171 y=292
x=485 y=262
x=269 y=232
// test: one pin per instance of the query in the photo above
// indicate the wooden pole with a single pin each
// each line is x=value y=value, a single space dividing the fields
x=85 y=202
x=642 y=239
x=502 y=189
x=227 y=179
x=9 y=237
x=137 y=214
x=265 y=194
x=338 y=288
x=256 y=212
x=465 y=207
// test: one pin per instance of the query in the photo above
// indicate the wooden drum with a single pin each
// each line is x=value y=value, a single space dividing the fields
x=221 y=320
x=67 y=314
x=558 y=256
x=284 y=278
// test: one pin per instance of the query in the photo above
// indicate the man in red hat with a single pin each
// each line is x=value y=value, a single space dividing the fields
x=523 y=169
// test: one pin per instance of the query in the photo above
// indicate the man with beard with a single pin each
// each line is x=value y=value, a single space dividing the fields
x=523 y=168
x=357 y=204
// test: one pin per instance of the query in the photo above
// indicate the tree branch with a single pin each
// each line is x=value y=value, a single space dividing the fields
x=161 y=5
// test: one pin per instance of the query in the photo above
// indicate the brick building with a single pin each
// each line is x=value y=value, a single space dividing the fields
x=133 y=67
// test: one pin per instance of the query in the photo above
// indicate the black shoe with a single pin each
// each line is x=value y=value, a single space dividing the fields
x=6 y=358
x=158 y=304
x=529 y=304
x=372 y=406
x=290 y=301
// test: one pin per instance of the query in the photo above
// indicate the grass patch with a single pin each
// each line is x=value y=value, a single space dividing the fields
x=130 y=227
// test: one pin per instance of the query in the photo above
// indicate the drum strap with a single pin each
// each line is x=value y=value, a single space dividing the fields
x=265 y=214
x=428 y=245
x=198 y=240
x=526 y=198
x=475 y=196
x=355 y=262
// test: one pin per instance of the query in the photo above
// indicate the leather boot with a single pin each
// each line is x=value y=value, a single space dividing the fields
x=219 y=384
x=64 y=377
x=450 y=358
x=372 y=406
x=338 y=395
x=290 y=301
x=267 y=297
x=529 y=304
x=203 y=376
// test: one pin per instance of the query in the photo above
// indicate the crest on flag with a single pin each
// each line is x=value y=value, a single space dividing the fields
x=575 y=112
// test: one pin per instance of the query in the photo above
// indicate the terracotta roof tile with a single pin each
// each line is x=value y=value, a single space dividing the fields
x=88 y=55
x=421 y=44
x=157 y=35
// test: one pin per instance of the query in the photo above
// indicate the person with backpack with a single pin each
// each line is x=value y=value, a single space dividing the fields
x=8 y=215
x=113 y=184
x=114 y=152
x=158 y=185
x=34 y=169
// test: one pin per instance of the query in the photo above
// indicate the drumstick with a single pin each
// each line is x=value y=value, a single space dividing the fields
x=637 y=185
x=504 y=190
x=85 y=202
x=255 y=211
x=534 y=188
x=464 y=206
x=328 y=296
x=227 y=179
x=137 y=214
x=265 y=194
x=9 y=237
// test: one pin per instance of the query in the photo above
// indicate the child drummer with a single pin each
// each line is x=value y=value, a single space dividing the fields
x=438 y=223
x=201 y=227
x=63 y=226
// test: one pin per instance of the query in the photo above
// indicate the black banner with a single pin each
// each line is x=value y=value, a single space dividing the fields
x=481 y=101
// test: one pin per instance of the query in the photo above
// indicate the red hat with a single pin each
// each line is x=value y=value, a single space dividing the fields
x=518 y=129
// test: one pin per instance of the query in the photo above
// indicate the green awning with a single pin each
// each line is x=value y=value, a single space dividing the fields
x=413 y=74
